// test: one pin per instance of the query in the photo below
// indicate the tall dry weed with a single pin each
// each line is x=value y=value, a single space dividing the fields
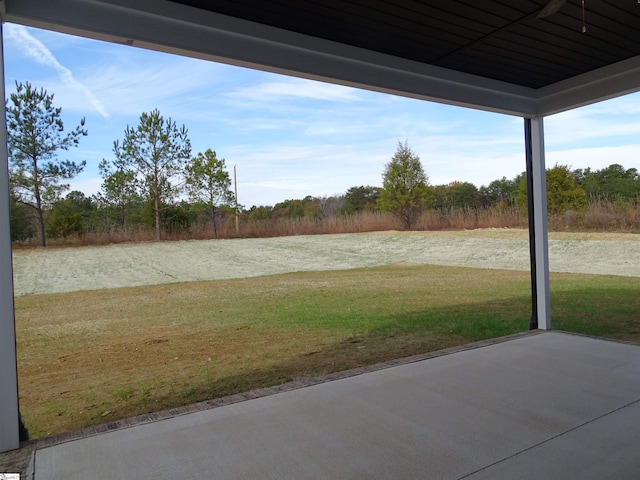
x=598 y=216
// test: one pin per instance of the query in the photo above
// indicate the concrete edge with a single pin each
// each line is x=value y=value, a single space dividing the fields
x=263 y=392
x=607 y=339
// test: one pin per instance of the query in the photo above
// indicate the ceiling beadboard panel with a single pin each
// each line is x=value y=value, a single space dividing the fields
x=501 y=40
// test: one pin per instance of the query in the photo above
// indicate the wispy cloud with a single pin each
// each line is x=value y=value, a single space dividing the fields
x=626 y=105
x=591 y=124
x=35 y=49
x=295 y=88
x=291 y=138
x=133 y=81
x=595 y=158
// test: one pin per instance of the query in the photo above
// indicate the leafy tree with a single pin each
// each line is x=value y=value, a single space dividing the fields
x=359 y=199
x=177 y=217
x=70 y=216
x=156 y=151
x=207 y=181
x=35 y=133
x=294 y=208
x=119 y=193
x=465 y=195
x=563 y=191
x=257 y=213
x=311 y=207
x=455 y=195
x=440 y=197
x=499 y=192
x=612 y=183
x=21 y=221
x=330 y=206
x=405 y=186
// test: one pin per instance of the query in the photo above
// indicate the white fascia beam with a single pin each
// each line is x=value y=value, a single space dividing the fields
x=608 y=82
x=173 y=28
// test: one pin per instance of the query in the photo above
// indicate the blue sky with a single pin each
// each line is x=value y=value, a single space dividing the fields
x=290 y=137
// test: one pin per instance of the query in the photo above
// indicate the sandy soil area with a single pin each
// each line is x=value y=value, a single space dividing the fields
x=86 y=268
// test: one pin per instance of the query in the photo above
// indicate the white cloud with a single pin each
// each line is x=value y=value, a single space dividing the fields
x=291 y=138
x=124 y=81
x=297 y=88
x=600 y=121
x=595 y=157
x=625 y=105
x=131 y=88
x=89 y=185
x=35 y=49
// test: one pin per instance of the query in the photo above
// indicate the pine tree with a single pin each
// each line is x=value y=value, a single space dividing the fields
x=405 y=186
x=35 y=133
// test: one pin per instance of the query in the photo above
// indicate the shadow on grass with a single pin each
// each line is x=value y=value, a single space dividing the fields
x=610 y=311
x=399 y=336
x=599 y=311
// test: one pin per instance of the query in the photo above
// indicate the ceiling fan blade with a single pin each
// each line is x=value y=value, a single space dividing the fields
x=552 y=7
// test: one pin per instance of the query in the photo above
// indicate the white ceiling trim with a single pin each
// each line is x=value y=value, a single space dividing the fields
x=169 y=27
x=608 y=82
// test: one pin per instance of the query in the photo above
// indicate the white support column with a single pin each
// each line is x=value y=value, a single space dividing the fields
x=9 y=430
x=540 y=237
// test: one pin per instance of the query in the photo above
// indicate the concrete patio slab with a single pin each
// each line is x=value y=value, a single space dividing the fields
x=552 y=405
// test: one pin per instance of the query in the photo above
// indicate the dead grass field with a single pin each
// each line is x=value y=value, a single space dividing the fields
x=58 y=270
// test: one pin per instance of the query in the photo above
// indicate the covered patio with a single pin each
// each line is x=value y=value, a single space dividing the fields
x=529 y=58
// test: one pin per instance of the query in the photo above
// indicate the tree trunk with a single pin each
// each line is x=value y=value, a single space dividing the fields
x=40 y=215
x=156 y=208
x=213 y=221
x=156 y=202
x=43 y=240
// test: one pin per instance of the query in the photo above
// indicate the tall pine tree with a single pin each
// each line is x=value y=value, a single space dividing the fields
x=35 y=134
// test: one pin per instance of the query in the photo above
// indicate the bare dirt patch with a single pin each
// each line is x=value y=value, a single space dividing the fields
x=92 y=268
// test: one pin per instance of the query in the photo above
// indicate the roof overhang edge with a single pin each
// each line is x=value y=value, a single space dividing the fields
x=173 y=28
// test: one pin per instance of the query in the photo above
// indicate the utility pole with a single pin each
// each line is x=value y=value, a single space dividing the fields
x=235 y=186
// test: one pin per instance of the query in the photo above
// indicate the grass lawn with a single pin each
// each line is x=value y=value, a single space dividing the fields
x=95 y=356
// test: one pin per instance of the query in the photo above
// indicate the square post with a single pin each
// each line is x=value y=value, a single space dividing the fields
x=9 y=423
x=538 y=225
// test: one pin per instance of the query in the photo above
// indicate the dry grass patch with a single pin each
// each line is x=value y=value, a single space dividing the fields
x=88 y=357
x=523 y=234
x=46 y=271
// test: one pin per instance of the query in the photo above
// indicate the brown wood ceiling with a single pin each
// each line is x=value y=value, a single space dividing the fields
x=501 y=40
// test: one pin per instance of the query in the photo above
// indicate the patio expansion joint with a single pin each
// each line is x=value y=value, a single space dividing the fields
x=550 y=439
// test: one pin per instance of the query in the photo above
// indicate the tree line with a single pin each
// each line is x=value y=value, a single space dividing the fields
x=154 y=182
x=406 y=191
x=151 y=170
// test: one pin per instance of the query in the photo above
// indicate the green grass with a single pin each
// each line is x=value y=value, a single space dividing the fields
x=599 y=305
x=95 y=356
